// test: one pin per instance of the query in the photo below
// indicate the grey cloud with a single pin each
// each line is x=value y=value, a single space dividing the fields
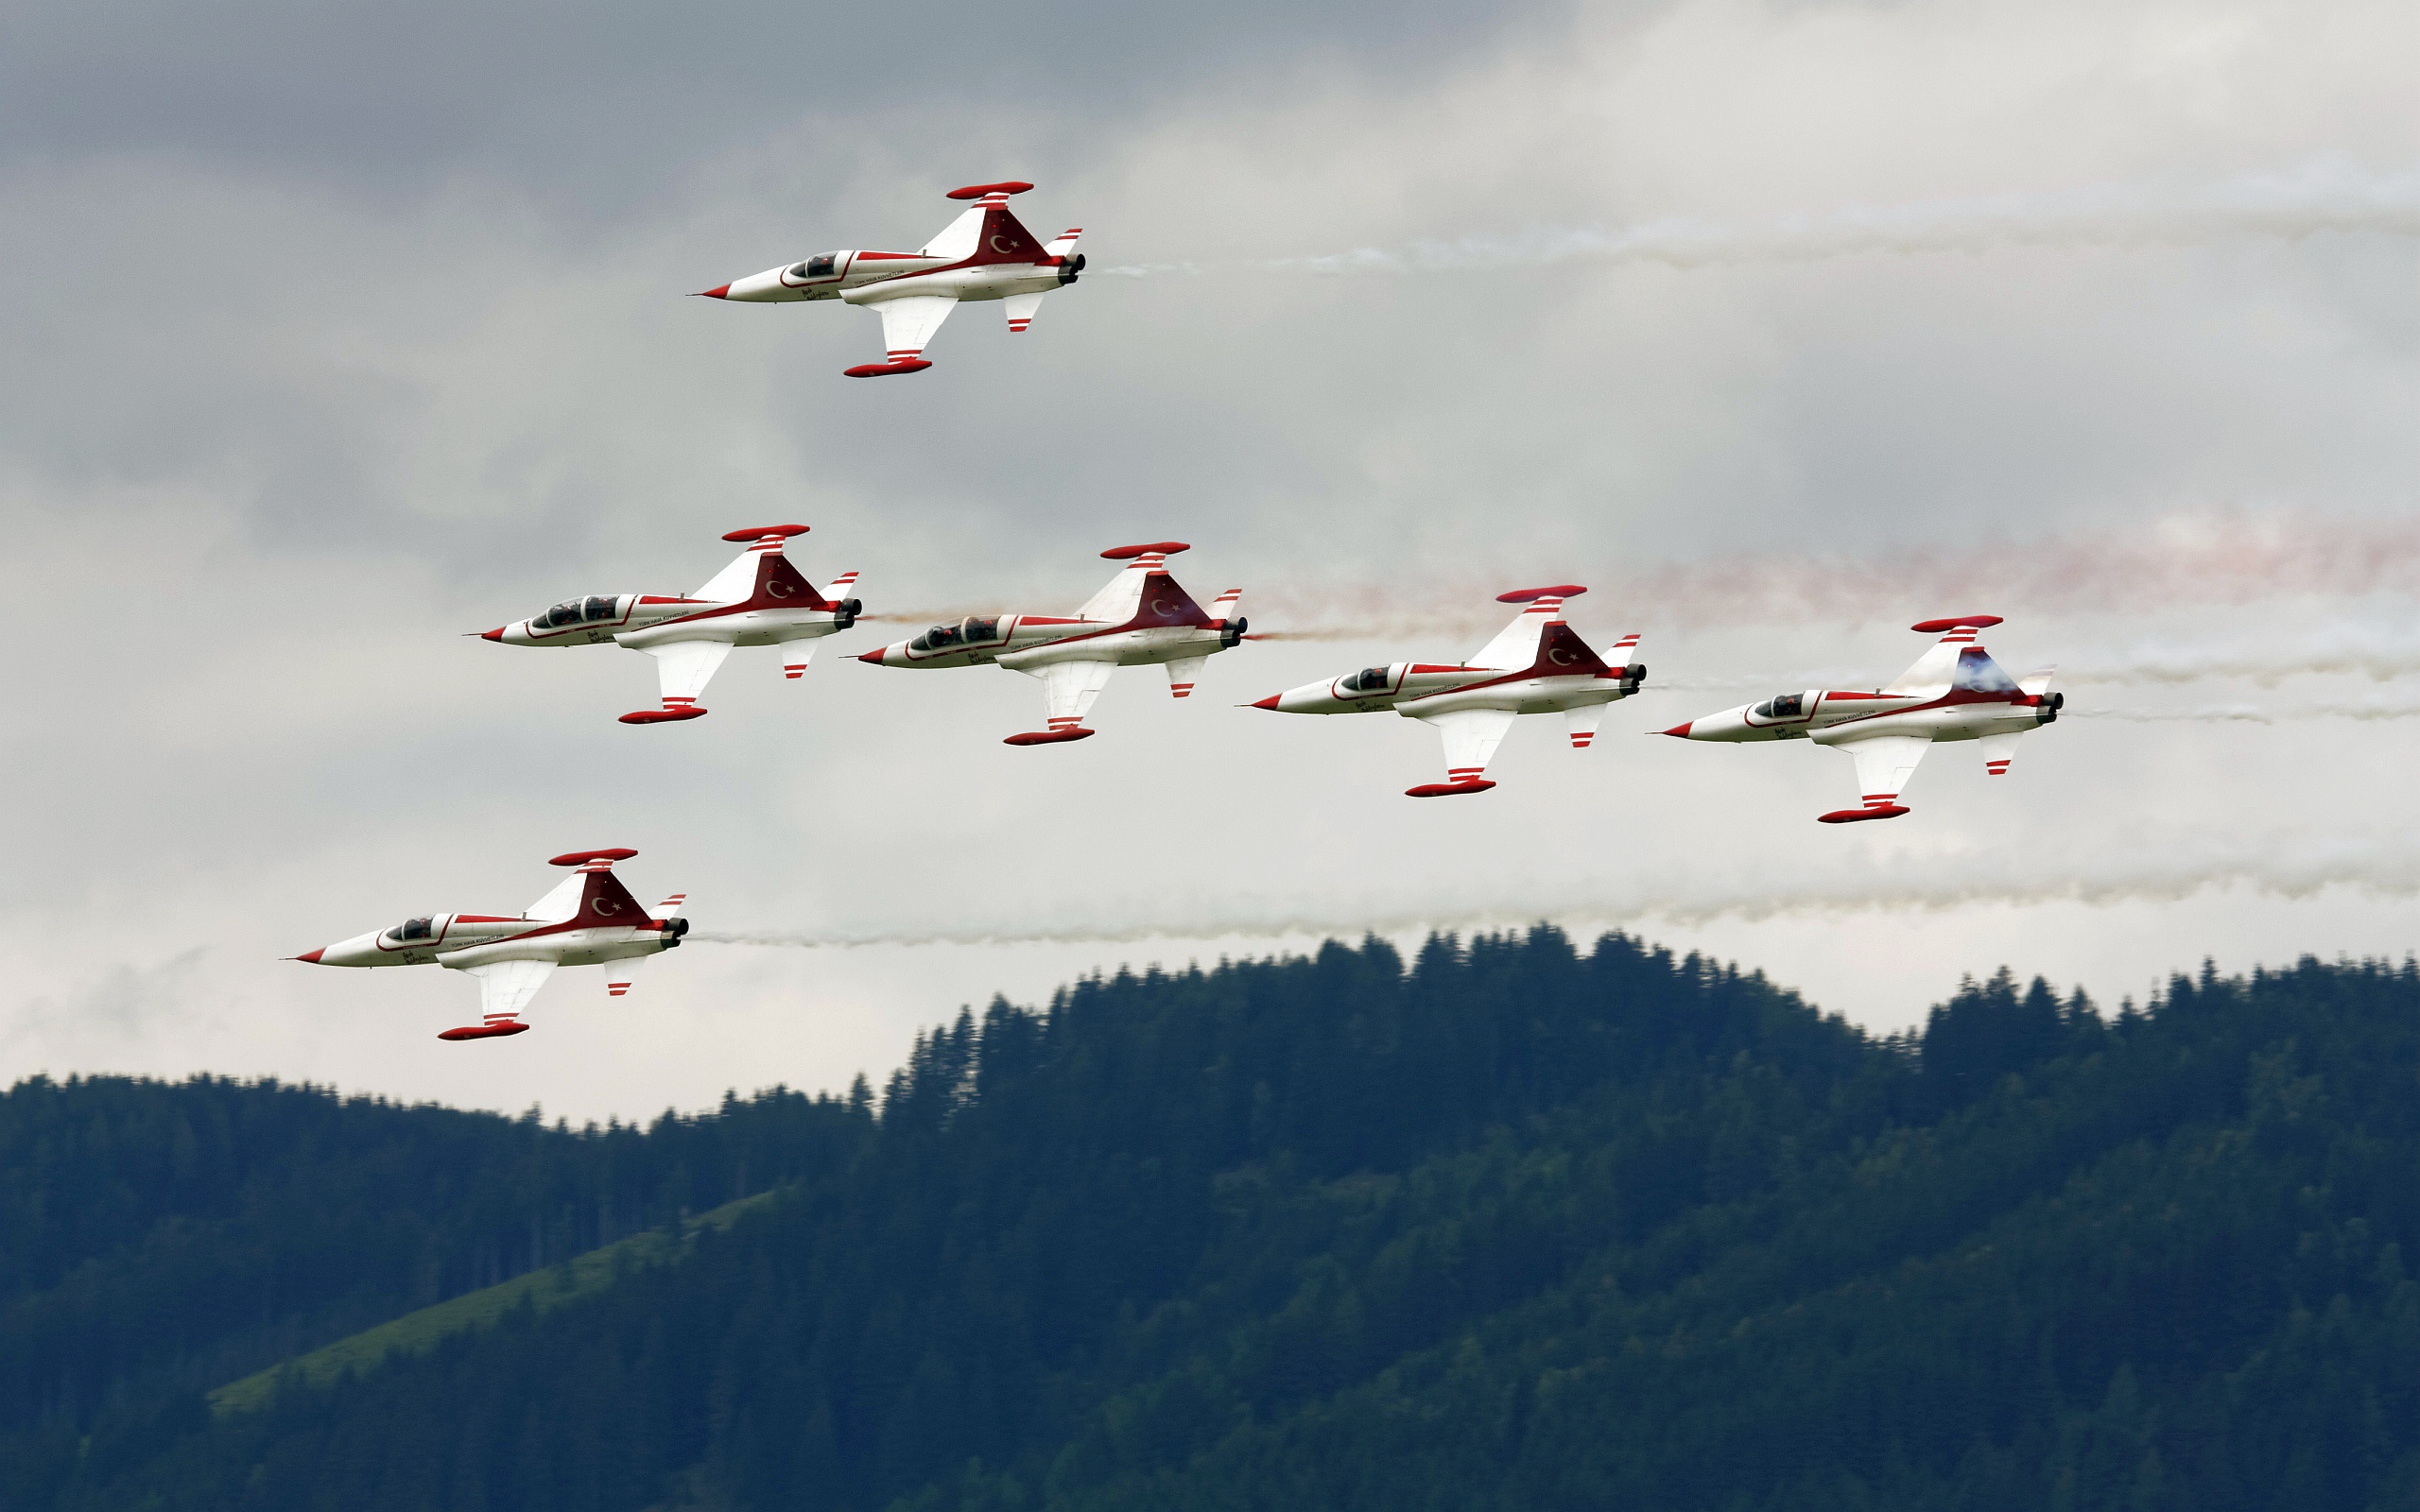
x=598 y=106
x=300 y=392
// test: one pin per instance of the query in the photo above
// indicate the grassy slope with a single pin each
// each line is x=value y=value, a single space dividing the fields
x=416 y=1333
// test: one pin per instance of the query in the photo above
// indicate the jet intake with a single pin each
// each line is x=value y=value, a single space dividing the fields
x=1070 y=268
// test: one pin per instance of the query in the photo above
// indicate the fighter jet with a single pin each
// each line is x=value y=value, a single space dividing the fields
x=1954 y=692
x=983 y=254
x=758 y=600
x=589 y=919
x=1141 y=617
x=1537 y=664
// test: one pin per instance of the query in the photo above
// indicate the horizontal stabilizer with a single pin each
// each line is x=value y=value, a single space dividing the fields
x=621 y=975
x=1182 y=674
x=1999 y=750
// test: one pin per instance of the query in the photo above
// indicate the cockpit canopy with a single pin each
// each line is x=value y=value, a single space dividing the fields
x=577 y=612
x=820 y=267
x=972 y=630
x=412 y=929
x=1782 y=706
x=1369 y=679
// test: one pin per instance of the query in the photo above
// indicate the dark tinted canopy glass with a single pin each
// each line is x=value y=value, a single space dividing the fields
x=601 y=609
x=1782 y=706
x=414 y=929
x=1369 y=679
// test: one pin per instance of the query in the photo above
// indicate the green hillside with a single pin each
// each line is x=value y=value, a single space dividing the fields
x=418 y=1332
x=159 y=1240
x=1509 y=1226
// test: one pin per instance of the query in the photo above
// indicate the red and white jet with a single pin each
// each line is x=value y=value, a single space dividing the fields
x=983 y=254
x=760 y=599
x=589 y=919
x=1954 y=692
x=1537 y=664
x=1141 y=617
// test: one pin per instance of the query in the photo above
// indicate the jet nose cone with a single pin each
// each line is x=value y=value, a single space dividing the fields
x=1681 y=730
x=873 y=656
x=312 y=956
x=1270 y=702
x=496 y=634
x=720 y=291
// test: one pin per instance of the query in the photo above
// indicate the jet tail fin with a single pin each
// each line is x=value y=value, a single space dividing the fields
x=987 y=233
x=1948 y=662
x=1120 y=597
x=1517 y=644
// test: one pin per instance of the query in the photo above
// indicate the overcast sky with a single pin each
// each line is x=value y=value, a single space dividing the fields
x=335 y=333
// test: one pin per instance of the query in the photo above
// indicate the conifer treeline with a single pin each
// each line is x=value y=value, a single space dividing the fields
x=158 y=1239
x=1517 y=1226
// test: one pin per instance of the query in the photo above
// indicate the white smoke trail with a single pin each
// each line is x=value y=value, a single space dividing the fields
x=2178 y=561
x=2323 y=195
x=2175 y=561
x=2255 y=714
x=2376 y=652
x=2210 y=713
x=2166 y=871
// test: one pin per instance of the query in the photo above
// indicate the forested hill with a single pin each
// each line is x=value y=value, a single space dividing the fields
x=1515 y=1227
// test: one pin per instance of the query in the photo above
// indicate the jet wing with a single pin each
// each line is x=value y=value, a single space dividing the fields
x=561 y=902
x=683 y=669
x=507 y=986
x=1068 y=689
x=1884 y=764
x=909 y=321
x=1471 y=738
